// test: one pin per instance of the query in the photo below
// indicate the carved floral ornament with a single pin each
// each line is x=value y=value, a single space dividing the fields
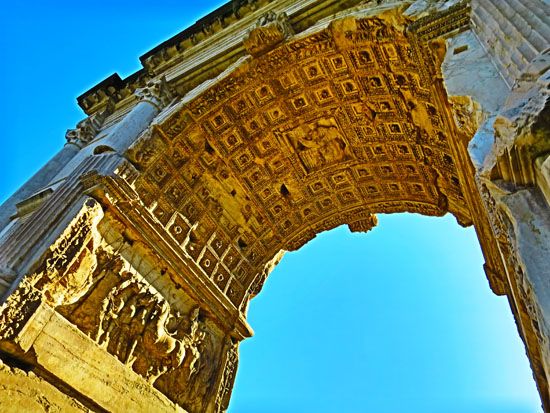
x=87 y=129
x=157 y=92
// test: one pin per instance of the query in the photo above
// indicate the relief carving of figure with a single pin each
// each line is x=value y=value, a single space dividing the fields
x=140 y=329
x=136 y=324
x=191 y=384
x=98 y=291
x=319 y=144
x=163 y=349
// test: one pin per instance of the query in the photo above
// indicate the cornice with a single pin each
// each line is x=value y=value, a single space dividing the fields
x=208 y=47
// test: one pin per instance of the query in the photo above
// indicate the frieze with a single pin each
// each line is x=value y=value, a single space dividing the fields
x=92 y=285
x=131 y=320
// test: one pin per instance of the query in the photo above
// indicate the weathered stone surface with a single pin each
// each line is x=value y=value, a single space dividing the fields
x=93 y=372
x=509 y=152
x=25 y=392
x=469 y=71
x=128 y=280
x=514 y=33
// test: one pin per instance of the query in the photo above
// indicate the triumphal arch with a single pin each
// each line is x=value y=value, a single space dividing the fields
x=128 y=261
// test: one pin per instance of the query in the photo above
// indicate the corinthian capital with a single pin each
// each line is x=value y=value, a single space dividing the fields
x=156 y=92
x=86 y=130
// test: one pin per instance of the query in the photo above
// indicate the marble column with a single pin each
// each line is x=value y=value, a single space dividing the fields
x=85 y=132
x=38 y=181
x=151 y=99
x=25 y=238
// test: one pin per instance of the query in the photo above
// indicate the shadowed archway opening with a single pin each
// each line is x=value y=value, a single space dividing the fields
x=400 y=319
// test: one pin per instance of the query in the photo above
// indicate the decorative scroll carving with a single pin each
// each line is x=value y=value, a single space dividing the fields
x=270 y=30
x=363 y=225
x=86 y=130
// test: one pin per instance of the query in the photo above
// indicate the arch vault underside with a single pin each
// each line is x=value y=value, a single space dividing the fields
x=180 y=191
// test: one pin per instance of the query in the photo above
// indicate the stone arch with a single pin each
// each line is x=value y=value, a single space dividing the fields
x=174 y=199
x=361 y=124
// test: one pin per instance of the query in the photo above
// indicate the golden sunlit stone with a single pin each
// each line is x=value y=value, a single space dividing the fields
x=126 y=283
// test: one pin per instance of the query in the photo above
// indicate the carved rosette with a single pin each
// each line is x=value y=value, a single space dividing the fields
x=289 y=146
x=156 y=92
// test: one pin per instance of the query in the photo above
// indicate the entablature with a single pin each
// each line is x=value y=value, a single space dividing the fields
x=207 y=48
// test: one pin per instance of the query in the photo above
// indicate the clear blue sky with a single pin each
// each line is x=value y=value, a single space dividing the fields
x=397 y=320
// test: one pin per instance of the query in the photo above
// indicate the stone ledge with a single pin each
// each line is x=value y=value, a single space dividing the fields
x=62 y=351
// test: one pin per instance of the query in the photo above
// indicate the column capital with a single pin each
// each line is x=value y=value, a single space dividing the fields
x=157 y=92
x=87 y=129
